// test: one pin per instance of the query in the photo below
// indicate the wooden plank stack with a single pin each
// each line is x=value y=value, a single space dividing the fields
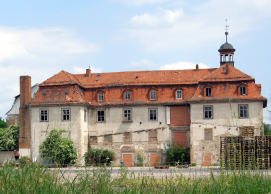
x=263 y=152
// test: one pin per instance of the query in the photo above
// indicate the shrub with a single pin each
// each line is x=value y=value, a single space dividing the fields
x=178 y=154
x=194 y=164
x=98 y=156
x=24 y=160
x=139 y=159
x=58 y=149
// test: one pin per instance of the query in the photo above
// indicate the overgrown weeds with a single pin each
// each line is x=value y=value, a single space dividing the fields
x=35 y=179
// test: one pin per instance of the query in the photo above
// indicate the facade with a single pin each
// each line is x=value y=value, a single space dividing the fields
x=13 y=113
x=143 y=112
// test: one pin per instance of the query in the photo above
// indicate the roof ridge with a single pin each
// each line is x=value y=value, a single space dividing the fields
x=69 y=75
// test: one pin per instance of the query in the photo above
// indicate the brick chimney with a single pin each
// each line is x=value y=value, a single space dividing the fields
x=197 y=67
x=24 y=115
x=88 y=72
x=259 y=87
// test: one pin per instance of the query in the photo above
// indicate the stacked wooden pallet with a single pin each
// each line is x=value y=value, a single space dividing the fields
x=223 y=151
x=234 y=156
x=248 y=150
x=247 y=131
x=263 y=152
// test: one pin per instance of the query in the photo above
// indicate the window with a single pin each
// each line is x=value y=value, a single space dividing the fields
x=85 y=115
x=127 y=95
x=100 y=116
x=66 y=114
x=243 y=90
x=179 y=94
x=208 y=92
x=93 y=137
x=208 y=112
x=127 y=137
x=100 y=96
x=153 y=95
x=127 y=115
x=208 y=134
x=243 y=111
x=44 y=115
x=153 y=114
x=153 y=136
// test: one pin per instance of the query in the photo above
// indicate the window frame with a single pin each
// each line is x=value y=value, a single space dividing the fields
x=241 y=90
x=153 y=95
x=208 y=92
x=47 y=115
x=67 y=114
x=124 y=137
x=127 y=109
x=101 y=94
x=177 y=94
x=150 y=138
x=149 y=114
x=127 y=94
x=97 y=112
x=239 y=111
x=212 y=111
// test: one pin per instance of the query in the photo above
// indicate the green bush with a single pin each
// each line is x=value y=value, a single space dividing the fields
x=60 y=150
x=3 y=123
x=24 y=160
x=9 y=138
x=178 y=154
x=139 y=159
x=98 y=156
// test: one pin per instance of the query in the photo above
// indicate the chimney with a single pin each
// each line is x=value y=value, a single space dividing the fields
x=88 y=72
x=197 y=67
x=24 y=116
x=259 y=87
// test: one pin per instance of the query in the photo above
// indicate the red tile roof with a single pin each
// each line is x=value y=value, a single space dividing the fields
x=82 y=89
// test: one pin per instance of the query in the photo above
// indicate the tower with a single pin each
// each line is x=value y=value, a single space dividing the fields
x=226 y=51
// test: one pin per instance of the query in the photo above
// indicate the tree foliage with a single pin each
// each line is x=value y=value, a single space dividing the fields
x=98 y=156
x=267 y=130
x=3 y=123
x=60 y=150
x=178 y=154
x=9 y=138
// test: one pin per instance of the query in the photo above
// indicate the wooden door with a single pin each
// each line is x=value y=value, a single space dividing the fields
x=207 y=160
x=127 y=159
x=155 y=159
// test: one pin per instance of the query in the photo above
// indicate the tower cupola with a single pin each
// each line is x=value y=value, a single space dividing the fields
x=226 y=51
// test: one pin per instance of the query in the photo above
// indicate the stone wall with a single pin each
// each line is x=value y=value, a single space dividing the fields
x=6 y=156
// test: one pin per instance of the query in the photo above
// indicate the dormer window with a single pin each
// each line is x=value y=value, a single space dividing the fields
x=127 y=95
x=153 y=95
x=179 y=94
x=100 y=96
x=243 y=90
x=208 y=92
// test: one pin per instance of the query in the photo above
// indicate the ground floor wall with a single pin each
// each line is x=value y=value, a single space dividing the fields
x=12 y=120
x=6 y=156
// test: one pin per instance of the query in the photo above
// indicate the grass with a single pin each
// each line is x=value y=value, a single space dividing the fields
x=35 y=179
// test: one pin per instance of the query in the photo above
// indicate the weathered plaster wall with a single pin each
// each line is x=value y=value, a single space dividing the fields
x=225 y=121
x=6 y=156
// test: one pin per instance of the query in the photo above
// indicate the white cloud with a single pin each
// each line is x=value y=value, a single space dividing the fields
x=39 y=53
x=141 y=2
x=78 y=70
x=183 y=65
x=199 y=24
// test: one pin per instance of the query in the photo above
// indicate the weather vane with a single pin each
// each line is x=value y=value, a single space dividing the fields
x=226 y=33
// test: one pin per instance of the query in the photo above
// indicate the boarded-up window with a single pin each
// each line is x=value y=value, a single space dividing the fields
x=180 y=139
x=153 y=136
x=93 y=137
x=208 y=134
x=127 y=137
x=108 y=137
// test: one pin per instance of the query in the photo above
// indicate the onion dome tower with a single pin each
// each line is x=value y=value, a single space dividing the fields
x=226 y=51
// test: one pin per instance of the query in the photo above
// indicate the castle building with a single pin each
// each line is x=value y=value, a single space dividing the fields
x=143 y=112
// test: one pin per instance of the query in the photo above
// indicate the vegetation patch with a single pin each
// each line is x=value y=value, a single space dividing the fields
x=9 y=138
x=98 y=157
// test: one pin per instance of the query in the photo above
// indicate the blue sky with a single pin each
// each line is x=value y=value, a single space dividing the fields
x=41 y=38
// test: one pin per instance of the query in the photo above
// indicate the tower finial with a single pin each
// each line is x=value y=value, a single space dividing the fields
x=226 y=33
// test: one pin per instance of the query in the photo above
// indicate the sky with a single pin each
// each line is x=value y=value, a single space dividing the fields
x=40 y=38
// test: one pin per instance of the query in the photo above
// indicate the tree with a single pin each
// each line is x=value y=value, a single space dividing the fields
x=178 y=154
x=267 y=130
x=60 y=150
x=9 y=138
x=3 y=123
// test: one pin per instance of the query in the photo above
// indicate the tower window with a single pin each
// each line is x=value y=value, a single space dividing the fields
x=243 y=90
x=179 y=94
x=127 y=95
x=100 y=96
x=153 y=95
x=208 y=92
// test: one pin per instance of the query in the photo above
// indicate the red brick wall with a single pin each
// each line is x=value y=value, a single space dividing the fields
x=12 y=120
x=24 y=112
x=179 y=115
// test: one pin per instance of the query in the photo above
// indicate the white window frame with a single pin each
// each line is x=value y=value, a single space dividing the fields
x=65 y=114
x=153 y=95
x=127 y=95
x=153 y=111
x=44 y=113
x=179 y=94
x=245 y=111
x=100 y=96
x=211 y=110
x=126 y=113
x=101 y=116
x=243 y=90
